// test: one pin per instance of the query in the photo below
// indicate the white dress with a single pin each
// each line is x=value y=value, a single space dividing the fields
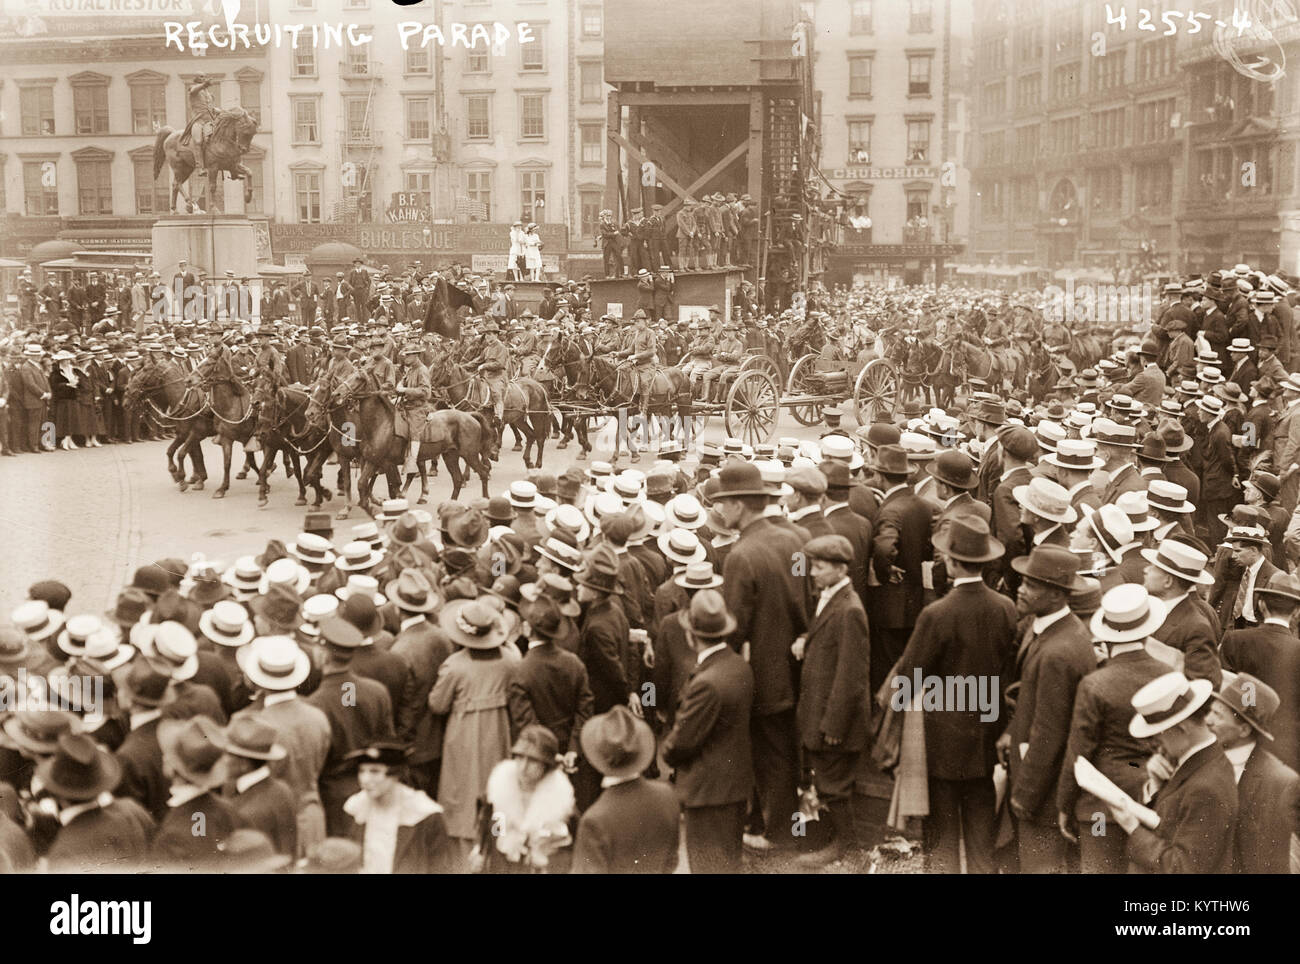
x=532 y=251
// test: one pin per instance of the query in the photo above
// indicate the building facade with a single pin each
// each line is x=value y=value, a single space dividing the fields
x=1120 y=140
x=81 y=103
x=890 y=119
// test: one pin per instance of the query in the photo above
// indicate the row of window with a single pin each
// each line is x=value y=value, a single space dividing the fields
x=1155 y=60
x=920 y=15
x=591 y=16
x=919 y=69
x=1153 y=122
x=917 y=206
x=1152 y=193
x=90 y=114
x=918 y=140
x=95 y=187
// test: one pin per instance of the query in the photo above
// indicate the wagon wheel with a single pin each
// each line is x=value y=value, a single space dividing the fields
x=801 y=384
x=875 y=394
x=761 y=363
x=753 y=406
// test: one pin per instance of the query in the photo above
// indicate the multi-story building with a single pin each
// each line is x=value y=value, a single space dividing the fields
x=889 y=119
x=82 y=100
x=1080 y=134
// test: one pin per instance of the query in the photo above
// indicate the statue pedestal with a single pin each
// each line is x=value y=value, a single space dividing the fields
x=217 y=243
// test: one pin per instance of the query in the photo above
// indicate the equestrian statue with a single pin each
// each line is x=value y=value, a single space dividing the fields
x=213 y=142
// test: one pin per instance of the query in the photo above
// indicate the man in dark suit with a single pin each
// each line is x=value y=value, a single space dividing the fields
x=97 y=831
x=709 y=745
x=1196 y=799
x=30 y=395
x=424 y=646
x=359 y=712
x=1055 y=653
x=1018 y=448
x=1268 y=791
x=900 y=549
x=843 y=521
x=832 y=714
x=969 y=634
x=1099 y=729
x=804 y=504
x=633 y=827
x=1218 y=466
x=261 y=801
x=1271 y=652
x=143 y=698
x=300 y=362
x=1173 y=573
x=766 y=597
x=550 y=684
x=358 y=280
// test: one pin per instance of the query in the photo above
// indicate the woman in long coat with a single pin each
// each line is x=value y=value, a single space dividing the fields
x=471 y=689
x=533 y=253
x=64 y=384
x=87 y=399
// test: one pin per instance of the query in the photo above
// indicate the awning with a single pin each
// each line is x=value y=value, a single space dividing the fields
x=12 y=264
x=88 y=264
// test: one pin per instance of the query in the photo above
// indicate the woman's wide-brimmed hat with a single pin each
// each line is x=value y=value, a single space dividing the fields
x=472 y=623
x=1128 y=613
x=618 y=744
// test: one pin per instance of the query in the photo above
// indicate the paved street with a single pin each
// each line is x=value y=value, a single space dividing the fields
x=92 y=516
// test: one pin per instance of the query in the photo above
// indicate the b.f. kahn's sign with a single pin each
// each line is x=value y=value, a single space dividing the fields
x=410 y=207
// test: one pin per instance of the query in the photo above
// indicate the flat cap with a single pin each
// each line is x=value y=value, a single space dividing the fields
x=831 y=548
x=807 y=479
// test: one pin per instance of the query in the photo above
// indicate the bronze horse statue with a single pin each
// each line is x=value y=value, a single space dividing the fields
x=231 y=138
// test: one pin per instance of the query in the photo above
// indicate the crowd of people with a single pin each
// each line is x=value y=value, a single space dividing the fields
x=597 y=670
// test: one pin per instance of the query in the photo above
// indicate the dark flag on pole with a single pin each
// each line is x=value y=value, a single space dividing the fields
x=441 y=315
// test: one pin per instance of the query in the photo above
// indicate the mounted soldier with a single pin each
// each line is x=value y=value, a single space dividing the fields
x=492 y=361
x=268 y=377
x=415 y=396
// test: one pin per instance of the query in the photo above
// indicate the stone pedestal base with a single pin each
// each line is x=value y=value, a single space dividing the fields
x=217 y=243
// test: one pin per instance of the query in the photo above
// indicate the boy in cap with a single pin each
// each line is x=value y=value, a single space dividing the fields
x=831 y=714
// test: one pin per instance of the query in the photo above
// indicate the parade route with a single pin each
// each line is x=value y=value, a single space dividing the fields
x=92 y=516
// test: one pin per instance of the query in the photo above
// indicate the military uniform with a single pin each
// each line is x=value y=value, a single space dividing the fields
x=728 y=353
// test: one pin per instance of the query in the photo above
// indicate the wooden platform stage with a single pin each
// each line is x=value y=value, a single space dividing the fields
x=696 y=291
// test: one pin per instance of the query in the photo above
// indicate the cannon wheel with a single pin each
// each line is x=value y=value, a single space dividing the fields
x=801 y=384
x=875 y=394
x=753 y=406
x=760 y=363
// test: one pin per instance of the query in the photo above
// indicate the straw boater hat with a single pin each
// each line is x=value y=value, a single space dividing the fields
x=1077 y=454
x=274 y=663
x=1128 y=613
x=169 y=648
x=699 y=575
x=1181 y=560
x=1165 y=702
x=682 y=547
x=1135 y=506
x=37 y=620
x=226 y=624
x=1168 y=497
x=1046 y=499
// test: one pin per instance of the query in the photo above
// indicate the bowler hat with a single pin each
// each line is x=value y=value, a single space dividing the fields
x=739 y=478
x=955 y=469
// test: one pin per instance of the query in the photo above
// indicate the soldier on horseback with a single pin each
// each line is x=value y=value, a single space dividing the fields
x=268 y=377
x=204 y=110
x=414 y=396
x=641 y=349
x=492 y=361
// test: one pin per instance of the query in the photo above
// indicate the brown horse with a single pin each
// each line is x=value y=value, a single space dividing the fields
x=526 y=408
x=162 y=391
x=339 y=427
x=294 y=434
x=232 y=411
x=231 y=138
x=457 y=435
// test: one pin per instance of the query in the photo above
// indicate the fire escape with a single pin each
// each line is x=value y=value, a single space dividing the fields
x=358 y=138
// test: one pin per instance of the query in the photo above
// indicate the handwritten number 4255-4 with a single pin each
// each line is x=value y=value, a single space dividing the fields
x=1240 y=20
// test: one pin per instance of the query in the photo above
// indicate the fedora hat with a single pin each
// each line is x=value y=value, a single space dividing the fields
x=1181 y=560
x=1168 y=497
x=1077 y=454
x=1250 y=698
x=600 y=571
x=469 y=529
x=194 y=749
x=226 y=624
x=1046 y=499
x=1128 y=613
x=967 y=539
x=617 y=743
x=557 y=588
x=472 y=623
x=1053 y=565
x=543 y=614
x=412 y=591
x=274 y=663
x=358 y=555
x=738 y=478
x=280 y=606
x=38 y=731
x=1153 y=449
x=252 y=738
x=132 y=605
x=1086 y=601
x=1165 y=702
x=681 y=546
x=1283 y=585
x=1176 y=440
x=699 y=575
x=891 y=460
x=79 y=770
x=707 y=617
